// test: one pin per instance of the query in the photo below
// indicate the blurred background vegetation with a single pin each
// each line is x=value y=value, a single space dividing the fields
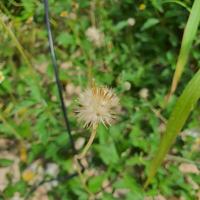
x=131 y=46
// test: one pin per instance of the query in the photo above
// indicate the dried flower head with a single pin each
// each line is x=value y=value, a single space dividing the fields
x=95 y=36
x=98 y=105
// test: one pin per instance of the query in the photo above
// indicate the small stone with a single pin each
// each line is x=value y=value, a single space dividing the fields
x=160 y=197
x=52 y=169
x=79 y=143
x=16 y=196
x=66 y=65
x=121 y=193
x=106 y=185
x=186 y=168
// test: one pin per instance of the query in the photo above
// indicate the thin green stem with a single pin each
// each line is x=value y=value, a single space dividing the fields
x=89 y=143
x=82 y=155
x=80 y=174
x=179 y=3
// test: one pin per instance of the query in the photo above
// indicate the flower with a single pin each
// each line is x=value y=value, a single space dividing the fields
x=131 y=21
x=16 y=196
x=142 y=6
x=127 y=86
x=34 y=173
x=28 y=175
x=95 y=36
x=64 y=14
x=144 y=93
x=2 y=77
x=98 y=105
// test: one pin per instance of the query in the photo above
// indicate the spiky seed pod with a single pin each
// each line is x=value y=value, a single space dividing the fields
x=98 y=105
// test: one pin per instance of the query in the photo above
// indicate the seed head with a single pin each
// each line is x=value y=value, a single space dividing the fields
x=98 y=105
x=95 y=36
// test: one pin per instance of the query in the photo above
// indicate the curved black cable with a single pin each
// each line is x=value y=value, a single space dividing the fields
x=56 y=73
x=61 y=179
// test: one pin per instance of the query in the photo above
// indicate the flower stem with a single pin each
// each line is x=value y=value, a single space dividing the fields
x=89 y=143
x=80 y=174
x=82 y=155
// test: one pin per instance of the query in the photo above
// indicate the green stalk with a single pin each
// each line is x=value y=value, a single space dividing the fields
x=184 y=105
x=188 y=37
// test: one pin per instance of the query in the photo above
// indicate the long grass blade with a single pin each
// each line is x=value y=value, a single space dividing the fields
x=16 y=42
x=180 y=113
x=188 y=37
x=179 y=3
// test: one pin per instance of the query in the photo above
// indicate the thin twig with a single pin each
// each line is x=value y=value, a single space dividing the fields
x=158 y=114
x=181 y=159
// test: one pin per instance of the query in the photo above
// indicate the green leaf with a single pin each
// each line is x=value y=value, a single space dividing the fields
x=135 y=191
x=19 y=187
x=157 y=4
x=24 y=129
x=108 y=153
x=184 y=105
x=5 y=162
x=188 y=37
x=35 y=90
x=120 y=25
x=149 y=23
x=29 y=8
x=95 y=183
x=42 y=129
x=65 y=39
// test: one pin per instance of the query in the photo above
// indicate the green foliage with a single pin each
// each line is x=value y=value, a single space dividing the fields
x=149 y=23
x=5 y=162
x=132 y=59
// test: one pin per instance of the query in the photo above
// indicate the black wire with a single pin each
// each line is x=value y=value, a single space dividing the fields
x=58 y=83
x=61 y=179
x=56 y=73
x=63 y=107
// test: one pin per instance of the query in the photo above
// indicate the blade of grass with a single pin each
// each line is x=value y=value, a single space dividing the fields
x=27 y=60
x=188 y=37
x=177 y=2
x=16 y=42
x=184 y=105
